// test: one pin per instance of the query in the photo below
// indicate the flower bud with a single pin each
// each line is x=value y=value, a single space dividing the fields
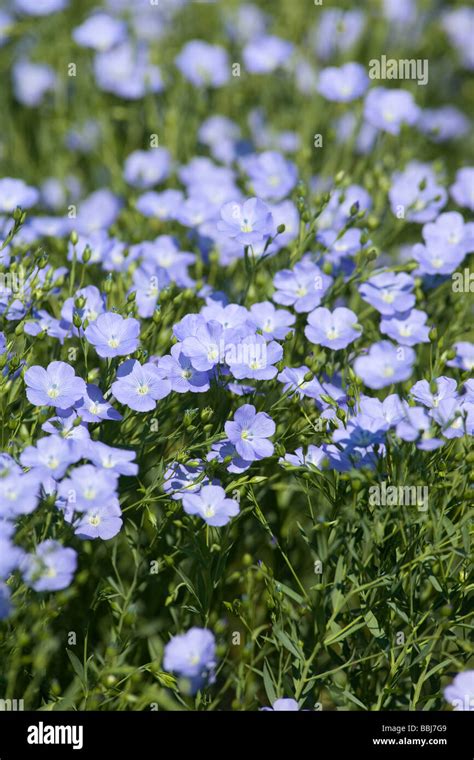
x=207 y=414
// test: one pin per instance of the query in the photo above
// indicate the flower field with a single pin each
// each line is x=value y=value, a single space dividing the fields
x=236 y=354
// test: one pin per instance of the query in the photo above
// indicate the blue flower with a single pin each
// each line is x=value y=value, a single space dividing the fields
x=6 y=24
x=283 y=705
x=100 y=32
x=295 y=383
x=415 y=194
x=441 y=124
x=249 y=431
x=93 y=407
x=88 y=488
x=183 y=377
x=51 y=568
x=40 y=7
x=19 y=494
x=247 y=223
x=302 y=287
x=192 y=655
x=446 y=387
x=447 y=241
x=10 y=555
x=119 y=461
x=343 y=84
x=448 y=414
x=211 y=503
x=145 y=168
x=388 y=412
x=409 y=330
x=50 y=457
x=93 y=304
x=273 y=323
x=68 y=426
x=389 y=293
x=314 y=457
x=464 y=358
x=385 y=364
x=204 y=346
x=31 y=82
x=253 y=357
x=181 y=479
x=223 y=451
x=126 y=71
x=462 y=190
x=99 y=522
x=266 y=53
x=57 y=385
x=112 y=335
x=270 y=175
x=162 y=205
x=337 y=31
x=389 y=109
x=332 y=329
x=458 y=25
x=460 y=693
x=203 y=64
x=15 y=192
x=416 y=426
x=140 y=386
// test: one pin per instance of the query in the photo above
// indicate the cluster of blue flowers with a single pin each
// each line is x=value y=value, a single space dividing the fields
x=353 y=318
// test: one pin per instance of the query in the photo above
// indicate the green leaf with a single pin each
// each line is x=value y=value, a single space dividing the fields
x=343 y=633
x=289 y=592
x=435 y=583
x=76 y=665
x=268 y=683
x=288 y=644
x=372 y=625
x=354 y=699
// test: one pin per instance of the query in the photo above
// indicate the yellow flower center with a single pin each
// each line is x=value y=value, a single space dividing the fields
x=246 y=226
x=332 y=333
